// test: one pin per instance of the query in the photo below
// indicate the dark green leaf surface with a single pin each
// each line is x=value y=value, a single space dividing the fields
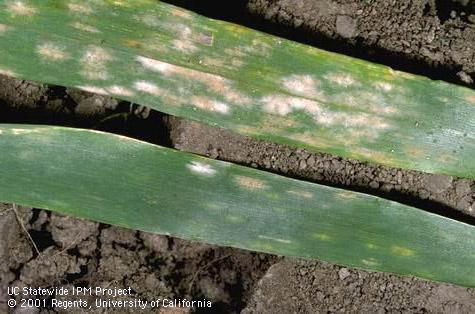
x=222 y=74
x=125 y=182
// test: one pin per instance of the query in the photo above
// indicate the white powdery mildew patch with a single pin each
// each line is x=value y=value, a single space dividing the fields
x=182 y=33
x=260 y=47
x=217 y=84
x=303 y=85
x=93 y=89
x=94 y=63
x=209 y=104
x=230 y=64
x=79 y=8
x=370 y=262
x=121 y=3
x=375 y=102
x=184 y=45
x=201 y=168
x=362 y=120
x=283 y=105
x=182 y=30
x=274 y=239
x=19 y=8
x=184 y=42
x=85 y=27
x=384 y=86
x=51 y=52
x=120 y=91
x=95 y=54
x=365 y=124
x=25 y=131
x=148 y=87
x=344 y=80
x=7 y=72
x=156 y=65
x=148 y=19
x=277 y=104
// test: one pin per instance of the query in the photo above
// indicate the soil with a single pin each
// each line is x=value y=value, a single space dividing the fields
x=433 y=38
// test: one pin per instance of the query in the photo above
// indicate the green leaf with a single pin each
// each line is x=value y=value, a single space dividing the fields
x=221 y=74
x=125 y=182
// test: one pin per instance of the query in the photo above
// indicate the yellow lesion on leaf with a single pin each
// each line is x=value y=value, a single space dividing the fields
x=250 y=183
x=180 y=13
x=401 y=251
x=213 y=206
x=446 y=158
x=234 y=219
x=236 y=29
x=215 y=62
x=322 y=236
x=413 y=151
x=394 y=73
x=371 y=246
x=248 y=130
x=276 y=124
x=347 y=195
x=471 y=99
x=373 y=155
x=304 y=194
x=308 y=138
x=262 y=246
x=274 y=196
x=132 y=43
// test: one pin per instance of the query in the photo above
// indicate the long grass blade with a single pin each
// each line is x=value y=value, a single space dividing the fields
x=125 y=182
x=218 y=73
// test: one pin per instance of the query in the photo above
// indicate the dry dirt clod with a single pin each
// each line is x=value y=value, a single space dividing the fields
x=25 y=231
x=438 y=183
x=343 y=273
x=346 y=26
